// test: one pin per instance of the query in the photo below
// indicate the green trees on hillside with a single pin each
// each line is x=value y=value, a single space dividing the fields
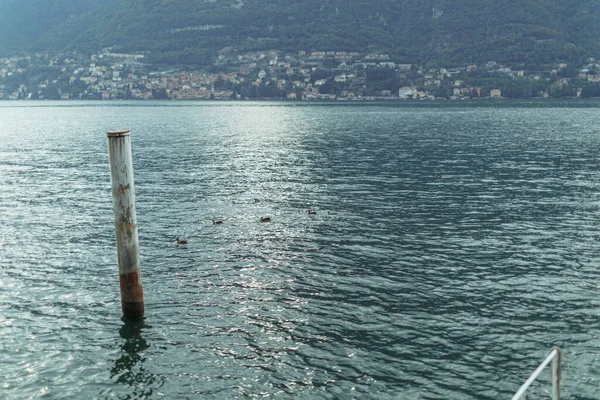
x=531 y=33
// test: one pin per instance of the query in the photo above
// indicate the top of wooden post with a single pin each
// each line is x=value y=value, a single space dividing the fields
x=118 y=133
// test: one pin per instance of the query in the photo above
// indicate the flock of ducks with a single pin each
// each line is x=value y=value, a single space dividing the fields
x=183 y=240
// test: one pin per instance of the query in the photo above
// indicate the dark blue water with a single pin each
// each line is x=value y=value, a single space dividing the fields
x=464 y=244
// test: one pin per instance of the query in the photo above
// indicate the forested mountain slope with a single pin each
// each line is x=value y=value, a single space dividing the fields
x=529 y=32
x=24 y=22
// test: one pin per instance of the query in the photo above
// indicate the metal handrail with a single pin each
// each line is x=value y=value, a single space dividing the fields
x=555 y=376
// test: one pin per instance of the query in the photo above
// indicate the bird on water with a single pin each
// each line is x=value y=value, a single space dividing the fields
x=265 y=219
x=217 y=221
x=181 y=240
x=312 y=212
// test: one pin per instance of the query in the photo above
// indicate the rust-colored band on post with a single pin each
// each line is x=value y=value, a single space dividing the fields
x=132 y=295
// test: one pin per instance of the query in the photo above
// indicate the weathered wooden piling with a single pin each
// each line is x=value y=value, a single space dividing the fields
x=121 y=172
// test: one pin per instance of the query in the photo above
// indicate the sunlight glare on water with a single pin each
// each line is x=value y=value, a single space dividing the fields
x=451 y=248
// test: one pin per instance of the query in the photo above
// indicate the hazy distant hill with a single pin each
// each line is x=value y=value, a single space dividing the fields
x=531 y=32
x=24 y=22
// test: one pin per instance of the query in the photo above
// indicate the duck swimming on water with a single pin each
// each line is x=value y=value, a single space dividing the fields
x=265 y=219
x=181 y=240
x=217 y=221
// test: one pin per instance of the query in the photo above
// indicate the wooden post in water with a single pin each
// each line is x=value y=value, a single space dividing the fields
x=121 y=172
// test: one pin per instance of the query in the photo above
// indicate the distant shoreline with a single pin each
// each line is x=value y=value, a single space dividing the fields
x=537 y=103
x=342 y=100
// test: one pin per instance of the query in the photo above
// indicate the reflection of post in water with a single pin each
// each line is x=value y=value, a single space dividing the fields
x=126 y=366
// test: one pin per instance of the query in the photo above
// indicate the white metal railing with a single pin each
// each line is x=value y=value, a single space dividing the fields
x=555 y=376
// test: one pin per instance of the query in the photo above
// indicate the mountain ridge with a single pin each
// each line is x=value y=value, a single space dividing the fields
x=526 y=32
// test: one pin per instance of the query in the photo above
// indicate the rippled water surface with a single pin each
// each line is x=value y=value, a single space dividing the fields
x=461 y=246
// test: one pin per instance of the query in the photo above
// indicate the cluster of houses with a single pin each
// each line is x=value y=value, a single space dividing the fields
x=318 y=75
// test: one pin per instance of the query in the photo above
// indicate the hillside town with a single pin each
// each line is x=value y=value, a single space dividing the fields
x=317 y=75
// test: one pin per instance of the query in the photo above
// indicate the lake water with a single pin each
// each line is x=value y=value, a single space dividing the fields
x=464 y=245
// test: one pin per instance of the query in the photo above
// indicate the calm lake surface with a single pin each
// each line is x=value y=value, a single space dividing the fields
x=464 y=245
